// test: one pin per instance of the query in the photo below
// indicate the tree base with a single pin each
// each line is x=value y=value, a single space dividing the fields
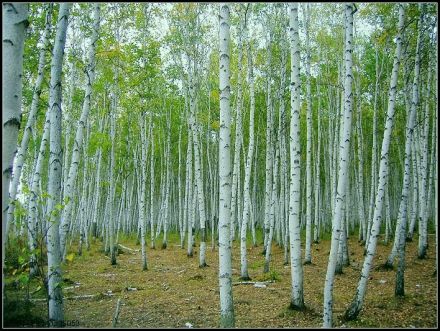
x=164 y=245
x=295 y=307
x=422 y=255
x=227 y=320
x=351 y=313
x=245 y=278
x=387 y=266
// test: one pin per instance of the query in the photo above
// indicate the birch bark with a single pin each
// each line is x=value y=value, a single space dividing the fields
x=227 y=319
x=54 y=278
x=344 y=146
x=356 y=305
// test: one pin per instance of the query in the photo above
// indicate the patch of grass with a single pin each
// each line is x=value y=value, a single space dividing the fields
x=257 y=264
x=272 y=275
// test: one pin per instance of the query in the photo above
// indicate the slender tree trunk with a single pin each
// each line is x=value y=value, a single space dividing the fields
x=142 y=197
x=227 y=319
x=269 y=149
x=54 y=278
x=356 y=305
x=343 y=168
x=247 y=176
x=22 y=151
x=111 y=201
x=297 y=290
x=238 y=137
x=153 y=245
x=73 y=171
x=15 y=17
x=374 y=148
x=190 y=201
x=308 y=247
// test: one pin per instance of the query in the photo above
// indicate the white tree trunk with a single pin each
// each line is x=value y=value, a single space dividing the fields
x=198 y=172
x=374 y=148
x=247 y=175
x=111 y=194
x=54 y=278
x=344 y=146
x=308 y=247
x=153 y=245
x=269 y=148
x=190 y=202
x=14 y=17
x=73 y=171
x=238 y=137
x=356 y=305
x=227 y=319
x=297 y=294
x=22 y=151
x=423 y=220
x=142 y=197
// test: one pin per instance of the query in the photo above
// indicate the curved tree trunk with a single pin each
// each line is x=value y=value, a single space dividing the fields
x=356 y=305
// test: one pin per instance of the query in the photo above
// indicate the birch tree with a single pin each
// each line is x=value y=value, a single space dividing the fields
x=247 y=175
x=14 y=17
x=22 y=151
x=227 y=319
x=308 y=247
x=344 y=146
x=56 y=313
x=73 y=171
x=297 y=294
x=142 y=176
x=356 y=305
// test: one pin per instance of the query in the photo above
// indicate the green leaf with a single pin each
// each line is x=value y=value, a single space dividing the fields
x=70 y=257
x=24 y=279
x=21 y=260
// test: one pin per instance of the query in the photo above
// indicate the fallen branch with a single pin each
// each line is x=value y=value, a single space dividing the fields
x=129 y=249
x=248 y=283
x=115 y=318
x=77 y=297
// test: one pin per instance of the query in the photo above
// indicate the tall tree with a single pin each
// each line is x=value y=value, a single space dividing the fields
x=297 y=298
x=308 y=247
x=22 y=151
x=247 y=176
x=344 y=146
x=227 y=317
x=73 y=171
x=15 y=20
x=56 y=313
x=356 y=305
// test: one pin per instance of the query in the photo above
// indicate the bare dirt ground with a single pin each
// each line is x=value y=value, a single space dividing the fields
x=174 y=291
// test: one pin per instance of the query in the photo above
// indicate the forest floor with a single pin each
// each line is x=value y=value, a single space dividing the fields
x=174 y=291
